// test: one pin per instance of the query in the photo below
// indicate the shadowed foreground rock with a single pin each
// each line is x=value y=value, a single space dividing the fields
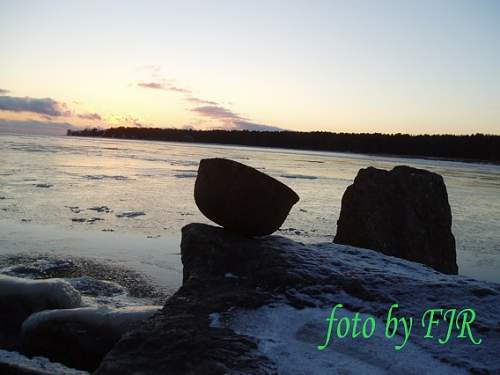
x=285 y=290
x=240 y=198
x=80 y=338
x=20 y=297
x=403 y=212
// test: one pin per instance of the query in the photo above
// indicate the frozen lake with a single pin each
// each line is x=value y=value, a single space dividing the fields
x=125 y=201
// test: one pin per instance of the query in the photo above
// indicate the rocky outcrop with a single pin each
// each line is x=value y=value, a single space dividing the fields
x=81 y=337
x=258 y=306
x=241 y=198
x=403 y=212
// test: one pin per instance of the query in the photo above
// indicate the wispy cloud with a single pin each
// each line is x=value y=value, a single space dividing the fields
x=178 y=89
x=151 y=85
x=90 y=116
x=42 y=106
x=167 y=85
x=198 y=101
x=126 y=120
x=210 y=110
x=216 y=112
x=163 y=86
x=3 y=91
x=231 y=120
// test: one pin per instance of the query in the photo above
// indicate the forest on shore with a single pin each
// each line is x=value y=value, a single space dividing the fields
x=476 y=147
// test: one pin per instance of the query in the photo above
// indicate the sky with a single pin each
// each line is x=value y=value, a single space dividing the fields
x=344 y=66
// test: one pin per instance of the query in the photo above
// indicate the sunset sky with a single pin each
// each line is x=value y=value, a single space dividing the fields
x=355 y=66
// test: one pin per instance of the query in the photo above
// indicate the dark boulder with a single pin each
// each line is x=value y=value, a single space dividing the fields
x=240 y=198
x=403 y=212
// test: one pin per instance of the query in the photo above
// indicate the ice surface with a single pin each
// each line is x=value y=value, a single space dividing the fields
x=158 y=259
x=139 y=176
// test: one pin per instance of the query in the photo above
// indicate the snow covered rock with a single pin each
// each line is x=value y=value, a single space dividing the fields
x=80 y=337
x=13 y=363
x=241 y=198
x=271 y=317
x=403 y=212
x=20 y=297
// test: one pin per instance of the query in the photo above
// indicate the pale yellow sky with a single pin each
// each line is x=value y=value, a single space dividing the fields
x=411 y=67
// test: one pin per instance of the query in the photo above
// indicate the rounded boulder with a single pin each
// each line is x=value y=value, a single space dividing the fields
x=241 y=198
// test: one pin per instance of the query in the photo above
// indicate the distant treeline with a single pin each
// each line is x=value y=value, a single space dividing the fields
x=477 y=147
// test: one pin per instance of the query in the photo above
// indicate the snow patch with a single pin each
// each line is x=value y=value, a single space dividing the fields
x=39 y=294
x=289 y=337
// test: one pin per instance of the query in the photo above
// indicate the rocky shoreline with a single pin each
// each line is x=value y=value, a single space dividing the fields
x=226 y=274
x=254 y=303
x=66 y=311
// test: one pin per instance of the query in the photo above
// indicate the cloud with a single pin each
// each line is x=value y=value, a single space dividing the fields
x=151 y=85
x=231 y=120
x=209 y=109
x=178 y=89
x=3 y=91
x=126 y=120
x=166 y=85
x=215 y=112
x=163 y=86
x=35 y=127
x=42 y=106
x=90 y=116
x=46 y=108
x=199 y=101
